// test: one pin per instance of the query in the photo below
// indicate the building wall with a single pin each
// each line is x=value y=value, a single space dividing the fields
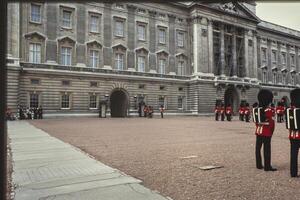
x=200 y=86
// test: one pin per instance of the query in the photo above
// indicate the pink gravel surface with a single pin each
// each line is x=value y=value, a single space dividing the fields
x=152 y=150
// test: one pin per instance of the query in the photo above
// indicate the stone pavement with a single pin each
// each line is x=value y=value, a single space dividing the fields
x=46 y=168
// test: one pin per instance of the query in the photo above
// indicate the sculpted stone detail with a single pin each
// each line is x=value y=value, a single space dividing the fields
x=229 y=7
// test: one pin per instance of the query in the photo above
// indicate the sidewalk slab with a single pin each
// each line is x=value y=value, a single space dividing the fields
x=46 y=168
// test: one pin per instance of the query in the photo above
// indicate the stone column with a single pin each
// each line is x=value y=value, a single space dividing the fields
x=13 y=29
x=107 y=50
x=152 y=43
x=234 y=56
x=222 y=50
x=246 y=53
x=131 y=36
x=210 y=47
x=255 y=57
x=172 y=44
x=196 y=43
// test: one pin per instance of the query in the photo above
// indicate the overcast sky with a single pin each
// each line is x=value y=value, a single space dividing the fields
x=285 y=14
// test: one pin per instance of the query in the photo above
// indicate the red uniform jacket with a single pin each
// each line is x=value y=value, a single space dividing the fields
x=266 y=128
x=217 y=109
x=228 y=110
x=273 y=110
x=241 y=110
x=247 y=110
x=222 y=109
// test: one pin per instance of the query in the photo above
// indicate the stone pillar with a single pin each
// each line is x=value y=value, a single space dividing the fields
x=107 y=50
x=131 y=36
x=222 y=50
x=246 y=53
x=255 y=57
x=152 y=43
x=234 y=56
x=196 y=43
x=13 y=29
x=210 y=47
x=172 y=44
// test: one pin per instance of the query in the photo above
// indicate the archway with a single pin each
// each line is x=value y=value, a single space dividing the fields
x=119 y=102
x=231 y=97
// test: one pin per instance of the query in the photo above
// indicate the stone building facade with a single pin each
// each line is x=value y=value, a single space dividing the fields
x=67 y=57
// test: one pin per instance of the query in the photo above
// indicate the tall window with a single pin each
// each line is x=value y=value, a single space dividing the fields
x=161 y=66
x=181 y=68
x=119 y=28
x=180 y=39
x=66 y=20
x=161 y=101
x=119 y=61
x=34 y=100
x=180 y=102
x=283 y=58
x=94 y=58
x=141 y=64
x=93 y=101
x=162 y=36
x=292 y=60
x=66 y=55
x=34 y=53
x=94 y=25
x=35 y=15
x=292 y=79
x=65 y=101
x=274 y=79
x=273 y=56
x=141 y=32
x=264 y=54
x=264 y=76
x=284 y=78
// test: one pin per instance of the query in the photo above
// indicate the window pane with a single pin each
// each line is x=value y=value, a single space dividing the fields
x=66 y=18
x=180 y=39
x=66 y=56
x=162 y=36
x=94 y=58
x=93 y=101
x=34 y=100
x=35 y=13
x=119 y=28
x=119 y=61
x=141 y=64
x=34 y=53
x=162 y=65
x=141 y=32
x=65 y=101
x=180 y=102
x=94 y=24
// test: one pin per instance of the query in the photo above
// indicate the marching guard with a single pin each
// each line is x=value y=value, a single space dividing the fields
x=247 y=112
x=265 y=125
x=280 y=112
x=241 y=112
x=222 y=112
x=293 y=125
x=162 y=110
x=228 y=112
x=217 y=111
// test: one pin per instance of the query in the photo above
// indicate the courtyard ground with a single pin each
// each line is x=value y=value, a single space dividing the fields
x=166 y=155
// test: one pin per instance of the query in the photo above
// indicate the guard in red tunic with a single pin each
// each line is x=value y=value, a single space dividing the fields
x=247 y=112
x=279 y=112
x=222 y=112
x=293 y=125
x=265 y=126
x=241 y=112
x=229 y=112
x=273 y=109
x=217 y=111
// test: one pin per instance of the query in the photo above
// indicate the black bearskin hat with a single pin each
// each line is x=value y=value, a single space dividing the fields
x=295 y=97
x=255 y=105
x=265 y=97
x=247 y=104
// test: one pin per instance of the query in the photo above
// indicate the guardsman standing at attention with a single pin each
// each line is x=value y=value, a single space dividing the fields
x=241 y=112
x=247 y=112
x=228 y=112
x=293 y=125
x=222 y=112
x=145 y=111
x=279 y=113
x=217 y=109
x=162 y=110
x=265 y=126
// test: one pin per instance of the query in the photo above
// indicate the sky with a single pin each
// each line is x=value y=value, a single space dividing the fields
x=284 y=14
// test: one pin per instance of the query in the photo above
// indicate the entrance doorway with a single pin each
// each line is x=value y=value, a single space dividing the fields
x=119 y=102
x=231 y=97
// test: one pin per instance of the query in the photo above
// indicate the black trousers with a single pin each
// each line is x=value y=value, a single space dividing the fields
x=161 y=114
x=222 y=117
x=228 y=116
x=217 y=117
x=295 y=145
x=266 y=141
x=247 y=118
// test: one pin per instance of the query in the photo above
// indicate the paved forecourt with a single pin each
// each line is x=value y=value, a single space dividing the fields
x=47 y=168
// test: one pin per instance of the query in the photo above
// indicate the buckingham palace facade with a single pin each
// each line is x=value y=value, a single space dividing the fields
x=68 y=57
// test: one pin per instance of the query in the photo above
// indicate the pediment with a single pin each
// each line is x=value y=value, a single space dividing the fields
x=119 y=46
x=94 y=43
x=66 y=38
x=234 y=8
x=162 y=52
x=35 y=34
x=139 y=49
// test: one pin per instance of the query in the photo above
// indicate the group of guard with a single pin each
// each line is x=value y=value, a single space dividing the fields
x=148 y=111
x=30 y=113
x=244 y=112
x=221 y=111
x=263 y=117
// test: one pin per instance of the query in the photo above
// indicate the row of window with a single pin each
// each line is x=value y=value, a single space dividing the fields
x=283 y=57
x=34 y=101
x=278 y=78
x=94 y=59
x=119 y=25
